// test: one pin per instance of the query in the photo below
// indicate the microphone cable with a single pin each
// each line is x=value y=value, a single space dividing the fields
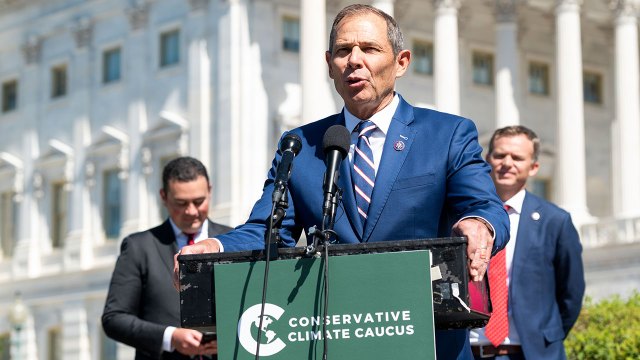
x=266 y=278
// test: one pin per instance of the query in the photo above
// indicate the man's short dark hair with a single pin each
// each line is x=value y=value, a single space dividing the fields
x=182 y=169
x=515 y=130
x=393 y=30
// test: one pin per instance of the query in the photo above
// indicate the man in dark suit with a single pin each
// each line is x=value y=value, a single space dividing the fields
x=428 y=173
x=142 y=309
x=543 y=260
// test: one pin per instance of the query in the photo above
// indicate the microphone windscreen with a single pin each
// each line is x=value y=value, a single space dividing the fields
x=291 y=142
x=337 y=137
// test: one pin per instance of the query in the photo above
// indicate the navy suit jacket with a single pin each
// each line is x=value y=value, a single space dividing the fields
x=420 y=191
x=141 y=301
x=547 y=278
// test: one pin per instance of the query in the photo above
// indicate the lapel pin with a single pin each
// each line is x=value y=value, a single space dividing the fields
x=535 y=216
x=404 y=137
x=399 y=145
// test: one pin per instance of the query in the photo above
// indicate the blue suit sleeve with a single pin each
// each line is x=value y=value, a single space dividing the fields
x=569 y=272
x=471 y=191
x=251 y=234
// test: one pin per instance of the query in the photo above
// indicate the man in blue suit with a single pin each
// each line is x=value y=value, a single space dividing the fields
x=430 y=179
x=545 y=278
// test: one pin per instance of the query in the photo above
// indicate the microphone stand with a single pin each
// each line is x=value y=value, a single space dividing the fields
x=323 y=237
x=274 y=221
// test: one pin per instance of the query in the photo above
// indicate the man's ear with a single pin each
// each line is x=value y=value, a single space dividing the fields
x=163 y=195
x=402 y=62
x=327 y=57
x=534 y=169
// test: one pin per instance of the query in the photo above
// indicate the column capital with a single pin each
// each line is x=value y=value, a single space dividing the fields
x=32 y=49
x=82 y=32
x=506 y=10
x=624 y=8
x=138 y=15
x=568 y=5
x=446 y=4
x=199 y=5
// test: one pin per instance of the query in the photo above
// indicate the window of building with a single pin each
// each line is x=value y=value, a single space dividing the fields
x=111 y=65
x=112 y=219
x=538 y=78
x=8 y=217
x=9 y=95
x=169 y=48
x=291 y=34
x=5 y=346
x=422 y=58
x=482 y=68
x=59 y=214
x=592 y=87
x=540 y=187
x=54 y=344
x=58 y=81
x=163 y=162
x=108 y=348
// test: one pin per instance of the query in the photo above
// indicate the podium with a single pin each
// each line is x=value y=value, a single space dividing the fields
x=385 y=298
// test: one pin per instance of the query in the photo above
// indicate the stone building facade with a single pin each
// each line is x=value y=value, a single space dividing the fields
x=96 y=95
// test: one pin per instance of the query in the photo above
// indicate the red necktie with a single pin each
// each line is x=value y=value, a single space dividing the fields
x=498 y=327
x=190 y=239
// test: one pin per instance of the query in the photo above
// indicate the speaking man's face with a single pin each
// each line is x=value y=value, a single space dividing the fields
x=362 y=64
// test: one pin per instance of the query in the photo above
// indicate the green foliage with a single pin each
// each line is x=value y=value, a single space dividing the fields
x=607 y=330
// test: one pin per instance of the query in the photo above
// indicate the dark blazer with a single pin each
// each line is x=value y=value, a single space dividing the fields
x=431 y=175
x=141 y=301
x=547 y=278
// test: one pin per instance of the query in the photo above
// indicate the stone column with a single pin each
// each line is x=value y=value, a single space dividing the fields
x=75 y=333
x=243 y=112
x=78 y=246
x=571 y=193
x=626 y=144
x=136 y=67
x=27 y=252
x=384 y=5
x=317 y=98
x=507 y=59
x=199 y=83
x=446 y=58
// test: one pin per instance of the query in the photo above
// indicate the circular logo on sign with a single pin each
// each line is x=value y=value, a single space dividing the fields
x=249 y=324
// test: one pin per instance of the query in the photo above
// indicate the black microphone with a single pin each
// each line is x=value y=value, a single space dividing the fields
x=290 y=147
x=336 y=144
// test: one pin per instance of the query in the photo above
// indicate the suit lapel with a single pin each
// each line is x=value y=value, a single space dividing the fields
x=527 y=227
x=166 y=245
x=397 y=145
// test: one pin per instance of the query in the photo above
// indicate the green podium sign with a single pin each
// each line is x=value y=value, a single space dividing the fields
x=380 y=307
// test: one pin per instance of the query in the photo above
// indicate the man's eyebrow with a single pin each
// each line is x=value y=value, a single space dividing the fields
x=359 y=43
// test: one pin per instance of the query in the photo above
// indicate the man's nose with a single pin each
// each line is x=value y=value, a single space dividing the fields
x=355 y=58
x=191 y=209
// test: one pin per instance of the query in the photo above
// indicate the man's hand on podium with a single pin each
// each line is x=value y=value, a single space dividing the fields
x=479 y=245
x=201 y=247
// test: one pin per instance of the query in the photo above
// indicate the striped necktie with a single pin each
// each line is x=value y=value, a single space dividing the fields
x=497 y=328
x=363 y=173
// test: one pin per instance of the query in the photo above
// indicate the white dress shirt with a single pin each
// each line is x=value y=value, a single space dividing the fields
x=476 y=336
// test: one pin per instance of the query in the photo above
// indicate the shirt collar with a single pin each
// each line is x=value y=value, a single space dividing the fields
x=382 y=118
x=202 y=233
x=516 y=201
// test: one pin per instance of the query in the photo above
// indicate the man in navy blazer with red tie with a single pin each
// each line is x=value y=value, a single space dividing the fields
x=545 y=275
x=431 y=180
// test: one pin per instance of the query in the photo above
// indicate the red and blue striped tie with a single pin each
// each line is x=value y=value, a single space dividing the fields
x=363 y=172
